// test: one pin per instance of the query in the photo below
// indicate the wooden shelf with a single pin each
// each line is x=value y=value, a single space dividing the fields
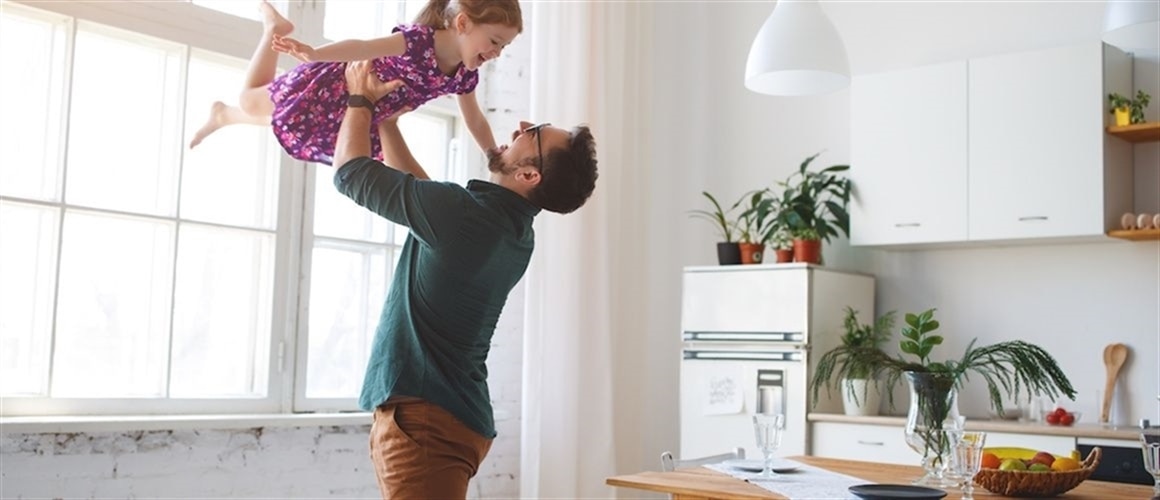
x=1140 y=132
x=1136 y=234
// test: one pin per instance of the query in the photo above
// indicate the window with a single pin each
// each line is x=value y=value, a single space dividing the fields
x=138 y=276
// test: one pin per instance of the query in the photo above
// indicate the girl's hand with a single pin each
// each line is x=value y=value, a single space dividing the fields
x=394 y=117
x=294 y=48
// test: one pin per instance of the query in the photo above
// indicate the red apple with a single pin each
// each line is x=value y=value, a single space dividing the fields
x=1044 y=458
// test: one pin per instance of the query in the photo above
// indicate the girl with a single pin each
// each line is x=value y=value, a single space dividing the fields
x=438 y=55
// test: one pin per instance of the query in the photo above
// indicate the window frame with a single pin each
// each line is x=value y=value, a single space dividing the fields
x=211 y=34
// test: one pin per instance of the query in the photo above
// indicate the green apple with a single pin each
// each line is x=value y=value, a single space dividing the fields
x=1039 y=467
x=1012 y=464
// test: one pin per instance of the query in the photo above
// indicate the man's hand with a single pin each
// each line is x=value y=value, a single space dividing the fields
x=360 y=81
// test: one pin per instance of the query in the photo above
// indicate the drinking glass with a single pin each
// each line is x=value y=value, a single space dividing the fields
x=1150 y=444
x=767 y=428
x=968 y=459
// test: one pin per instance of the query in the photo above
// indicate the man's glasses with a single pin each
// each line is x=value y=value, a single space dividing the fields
x=539 y=144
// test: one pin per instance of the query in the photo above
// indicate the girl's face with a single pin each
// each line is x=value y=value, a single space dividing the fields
x=479 y=43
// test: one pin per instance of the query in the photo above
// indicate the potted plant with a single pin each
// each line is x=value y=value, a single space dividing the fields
x=782 y=243
x=728 y=252
x=815 y=208
x=1013 y=368
x=750 y=225
x=1121 y=108
x=848 y=367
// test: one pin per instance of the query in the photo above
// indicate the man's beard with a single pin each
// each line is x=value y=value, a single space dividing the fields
x=496 y=164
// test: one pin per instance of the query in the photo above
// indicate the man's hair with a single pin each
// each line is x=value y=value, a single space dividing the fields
x=568 y=175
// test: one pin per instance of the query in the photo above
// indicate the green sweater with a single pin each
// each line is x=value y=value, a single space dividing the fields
x=466 y=249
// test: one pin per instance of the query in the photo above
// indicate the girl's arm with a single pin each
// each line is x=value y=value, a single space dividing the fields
x=343 y=50
x=396 y=154
x=476 y=122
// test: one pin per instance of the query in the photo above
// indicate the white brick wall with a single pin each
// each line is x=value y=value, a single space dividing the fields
x=284 y=462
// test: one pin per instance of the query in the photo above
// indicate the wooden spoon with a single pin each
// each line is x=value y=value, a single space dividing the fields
x=1114 y=357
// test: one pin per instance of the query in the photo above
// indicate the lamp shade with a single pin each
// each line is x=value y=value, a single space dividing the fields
x=797 y=52
x=1133 y=24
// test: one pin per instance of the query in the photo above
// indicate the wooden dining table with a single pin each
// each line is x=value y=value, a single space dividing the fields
x=700 y=483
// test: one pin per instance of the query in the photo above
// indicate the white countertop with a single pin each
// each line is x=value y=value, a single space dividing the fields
x=1012 y=426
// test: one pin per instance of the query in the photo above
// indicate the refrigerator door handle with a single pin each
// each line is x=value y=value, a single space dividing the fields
x=722 y=355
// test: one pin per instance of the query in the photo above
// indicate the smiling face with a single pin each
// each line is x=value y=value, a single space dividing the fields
x=479 y=43
x=525 y=151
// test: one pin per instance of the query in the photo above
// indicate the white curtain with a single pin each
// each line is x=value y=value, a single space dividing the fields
x=590 y=64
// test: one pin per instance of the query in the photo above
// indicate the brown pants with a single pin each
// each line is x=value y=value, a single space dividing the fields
x=421 y=451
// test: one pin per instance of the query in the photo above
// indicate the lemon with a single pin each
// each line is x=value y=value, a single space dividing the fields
x=1065 y=464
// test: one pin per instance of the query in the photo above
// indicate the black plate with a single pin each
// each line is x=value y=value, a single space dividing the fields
x=893 y=491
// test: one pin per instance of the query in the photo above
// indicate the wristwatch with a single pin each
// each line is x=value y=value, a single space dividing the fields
x=360 y=101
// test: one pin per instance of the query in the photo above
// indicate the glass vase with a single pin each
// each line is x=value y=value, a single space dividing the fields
x=931 y=424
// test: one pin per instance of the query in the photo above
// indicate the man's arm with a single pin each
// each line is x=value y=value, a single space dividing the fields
x=353 y=141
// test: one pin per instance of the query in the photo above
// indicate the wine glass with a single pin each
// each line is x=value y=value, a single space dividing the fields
x=767 y=428
x=968 y=459
x=1150 y=444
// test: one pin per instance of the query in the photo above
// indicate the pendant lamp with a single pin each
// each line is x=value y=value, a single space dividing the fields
x=797 y=52
x=1133 y=24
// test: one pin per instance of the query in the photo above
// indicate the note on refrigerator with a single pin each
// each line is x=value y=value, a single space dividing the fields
x=723 y=394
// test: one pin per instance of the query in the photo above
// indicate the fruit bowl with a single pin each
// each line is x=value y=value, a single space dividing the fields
x=1022 y=483
x=1062 y=419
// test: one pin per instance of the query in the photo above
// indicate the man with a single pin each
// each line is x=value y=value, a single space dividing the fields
x=427 y=379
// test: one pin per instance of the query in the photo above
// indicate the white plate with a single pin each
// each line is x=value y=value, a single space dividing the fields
x=779 y=465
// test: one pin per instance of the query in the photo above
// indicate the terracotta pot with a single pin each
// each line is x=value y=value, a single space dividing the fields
x=728 y=253
x=784 y=255
x=808 y=251
x=751 y=253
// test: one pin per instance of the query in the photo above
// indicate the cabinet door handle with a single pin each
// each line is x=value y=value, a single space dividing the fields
x=907 y=224
x=1031 y=218
x=871 y=443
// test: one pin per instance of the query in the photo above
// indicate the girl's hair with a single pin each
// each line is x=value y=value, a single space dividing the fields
x=438 y=14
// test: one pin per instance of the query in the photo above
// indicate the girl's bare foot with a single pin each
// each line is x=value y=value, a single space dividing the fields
x=217 y=119
x=273 y=21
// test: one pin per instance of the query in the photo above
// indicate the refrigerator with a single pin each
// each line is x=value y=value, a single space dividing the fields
x=747 y=334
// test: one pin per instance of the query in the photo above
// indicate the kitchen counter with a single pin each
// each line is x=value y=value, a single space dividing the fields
x=1131 y=433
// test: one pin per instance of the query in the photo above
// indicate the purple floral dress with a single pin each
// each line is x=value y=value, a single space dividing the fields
x=310 y=100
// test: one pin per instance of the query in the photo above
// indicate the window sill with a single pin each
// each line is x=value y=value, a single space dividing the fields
x=122 y=423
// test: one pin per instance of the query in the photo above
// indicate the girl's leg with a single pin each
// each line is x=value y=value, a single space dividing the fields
x=254 y=101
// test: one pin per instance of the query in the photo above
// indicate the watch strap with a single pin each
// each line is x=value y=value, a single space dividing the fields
x=360 y=101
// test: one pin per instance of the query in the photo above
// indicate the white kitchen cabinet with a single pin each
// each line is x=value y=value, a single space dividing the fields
x=1000 y=148
x=1037 y=145
x=909 y=150
x=871 y=443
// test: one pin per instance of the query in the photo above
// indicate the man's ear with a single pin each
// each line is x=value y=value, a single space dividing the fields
x=529 y=176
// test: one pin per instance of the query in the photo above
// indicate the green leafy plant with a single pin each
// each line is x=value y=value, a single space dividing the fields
x=718 y=217
x=781 y=239
x=1118 y=101
x=814 y=203
x=754 y=217
x=1134 y=106
x=857 y=357
x=1136 y=115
